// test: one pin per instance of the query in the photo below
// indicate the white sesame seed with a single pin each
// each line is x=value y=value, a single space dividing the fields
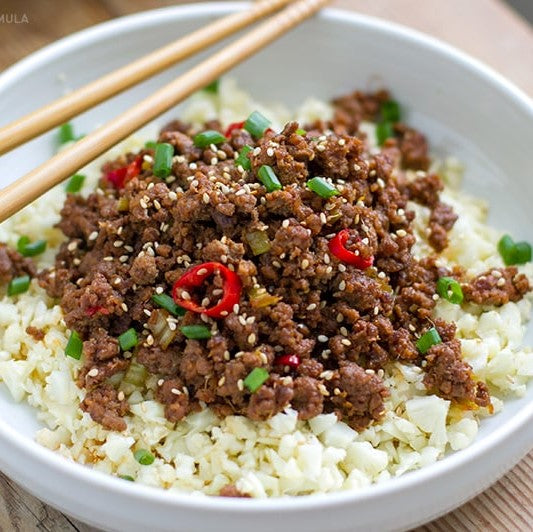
x=285 y=223
x=501 y=282
x=339 y=318
x=124 y=307
x=108 y=259
x=341 y=267
x=342 y=285
x=120 y=396
x=92 y=373
x=496 y=273
x=240 y=385
x=343 y=331
x=311 y=306
x=346 y=342
x=380 y=182
x=175 y=391
x=147 y=312
x=382 y=275
x=150 y=340
x=214 y=161
x=412 y=327
x=305 y=264
x=73 y=245
x=124 y=258
x=185 y=295
x=160 y=382
x=118 y=243
x=251 y=338
x=372 y=173
x=157 y=205
x=322 y=338
x=270 y=152
x=342 y=142
x=376 y=311
x=401 y=233
x=435 y=297
x=93 y=235
x=201 y=271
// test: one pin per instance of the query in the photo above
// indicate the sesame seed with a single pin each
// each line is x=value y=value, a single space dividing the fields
x=124 y=307
x=305 y=264
x=365 y=241
x=251 y=338
x=401 y=212
x=372 y=173
x=327 y=375
x=92 y=373
x=118 y=243
x=342 y=142
x=240 y=192
x=201 y=271
x=412 y=327
x=496 y=273
x=346 y=342
x=270 y=152
x=124 y=258
x=344 y=331
x=108 y=259
x=224 y=313
x=321 y=147
x=120 y=396
x=285 y=223
x=93 y=235
x=147 y=312
x=341 y=267
x=380 y=182
x=376 y=311
x=322 y=338
x=214 y=161
x=382 y=275
x=157 y=205
x=312 y=306
x=72 y=246
x=336 y=391
x=356 y=167
x=501 y=282
x=342 y=285
x=327 y=260
x=339 y=318
x=236 y=308
x=150 y=340
x=185 y=295
x=205 y=301
x=175 y=391
x=227 y=355
x=263 y=357
x=205 y=198
x=401 y=233
x=240 y=385
x=172 y=195
x=160 y=382
x=435 y=297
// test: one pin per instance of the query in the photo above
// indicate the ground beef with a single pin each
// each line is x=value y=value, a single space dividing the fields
x=229 y=490
x=36 y=333
x=106 y=406
x=340 y=325
x=13 y=264
x=497 y=287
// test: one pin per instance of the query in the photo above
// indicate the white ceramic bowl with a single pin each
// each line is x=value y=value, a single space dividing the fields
x=467 y=110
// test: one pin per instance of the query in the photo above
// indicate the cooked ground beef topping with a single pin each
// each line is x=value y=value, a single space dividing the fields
x=322 y=328
x=13 y=264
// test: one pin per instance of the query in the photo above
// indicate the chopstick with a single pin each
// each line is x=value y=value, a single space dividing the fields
x=28 y=188
x=70 y=105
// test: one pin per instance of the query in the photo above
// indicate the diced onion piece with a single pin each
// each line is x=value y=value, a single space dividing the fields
x=260 y=298
x=158 y=324
x=136 y=374
x=258 y=242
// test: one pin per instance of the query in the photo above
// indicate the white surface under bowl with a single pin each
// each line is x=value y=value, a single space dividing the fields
x=466 y=109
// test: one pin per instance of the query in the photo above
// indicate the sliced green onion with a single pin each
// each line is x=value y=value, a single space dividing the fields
x=150 y=144
x=127 y=477
x=428 y=339
x=18 y=285
x=522 y=253
x=256 y=124
x=449 y=289
x=243 y=159
x=196 y=332
x=258 y=242
x=65 y=133
x=166 y=302
x=390 y=111
x=74 y=346
x=128 y=340
x=212 y=87
x=301 y=132
x=384 y=131
x=514 y=252
x=206 y=138
x=163 y=160
x=75 y=183
x=269 y=178
x=255 y=379
x=322 y=187
x=144 y=457
x=30 y=249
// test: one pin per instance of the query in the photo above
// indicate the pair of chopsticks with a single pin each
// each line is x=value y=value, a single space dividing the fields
x=67 y=162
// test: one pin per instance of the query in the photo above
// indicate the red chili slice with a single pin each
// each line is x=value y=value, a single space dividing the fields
x=337 y=246
x=119 y=177
x=91 y=311
x=293 y=361
x=195 y=277
x=233 y=127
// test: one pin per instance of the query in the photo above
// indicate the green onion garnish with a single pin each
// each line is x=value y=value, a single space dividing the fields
x=18 y=285
x=206 y=138
x=196 y=332
x=74 y=346
x=75 y=183
x=255 y=379
x=449 y=289
x=65 y=133
x=212 y=87
x=144 y=457
x=301 y=132
x=243 y=159
x=383 y=132
x=30 y=249
x=390 y=111
x=321 y=187
x=128 y=340
x=428 y=339
x=514 y=252
x=256 y=124
x=166 y=302
x=163 y=160
x=150 y=144
x=127 y=477
x=269 y=178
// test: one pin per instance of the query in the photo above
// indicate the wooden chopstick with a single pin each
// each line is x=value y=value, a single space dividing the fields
x=64 y=164
x=70 y=105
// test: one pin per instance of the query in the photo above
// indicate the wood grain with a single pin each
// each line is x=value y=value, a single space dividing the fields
x=487 y=29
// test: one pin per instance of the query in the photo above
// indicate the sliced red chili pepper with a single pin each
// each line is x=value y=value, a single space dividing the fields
x=91 y=311
x=195 y=277
x=293 y=361
x=337 y=246
x=233 y=127
x=119 y=177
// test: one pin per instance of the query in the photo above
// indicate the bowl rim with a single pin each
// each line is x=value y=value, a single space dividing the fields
x=522 y=420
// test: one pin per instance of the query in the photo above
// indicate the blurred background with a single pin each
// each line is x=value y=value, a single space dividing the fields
x=498 y=32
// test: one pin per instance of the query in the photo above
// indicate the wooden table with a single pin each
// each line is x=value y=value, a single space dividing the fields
x=486 y=29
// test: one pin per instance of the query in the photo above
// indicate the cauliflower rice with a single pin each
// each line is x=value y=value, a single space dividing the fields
x=281 y=456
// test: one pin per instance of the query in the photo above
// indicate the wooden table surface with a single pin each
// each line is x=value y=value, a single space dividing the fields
x=487 y=29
